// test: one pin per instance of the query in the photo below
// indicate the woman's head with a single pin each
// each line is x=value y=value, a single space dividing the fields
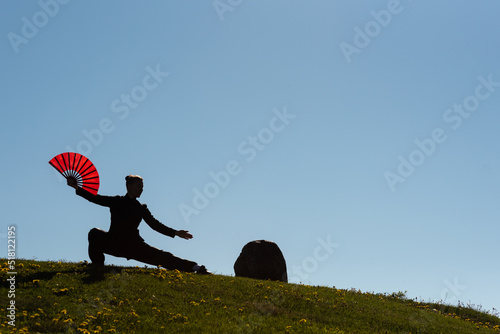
x=134 y=185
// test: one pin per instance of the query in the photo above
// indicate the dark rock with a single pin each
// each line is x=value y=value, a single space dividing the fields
x=261 y=259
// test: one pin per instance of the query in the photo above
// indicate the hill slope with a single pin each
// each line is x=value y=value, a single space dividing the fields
x=75 y=298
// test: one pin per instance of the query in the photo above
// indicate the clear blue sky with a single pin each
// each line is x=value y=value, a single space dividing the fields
x=361 y=137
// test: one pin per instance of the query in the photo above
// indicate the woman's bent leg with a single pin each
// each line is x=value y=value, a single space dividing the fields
x=97 y=242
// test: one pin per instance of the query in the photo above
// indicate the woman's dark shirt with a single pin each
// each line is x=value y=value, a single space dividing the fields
x=126 y=215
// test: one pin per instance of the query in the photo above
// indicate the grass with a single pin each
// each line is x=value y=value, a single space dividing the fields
x=60 y=297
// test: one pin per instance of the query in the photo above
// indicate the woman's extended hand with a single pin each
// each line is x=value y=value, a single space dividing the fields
x=184 y=234
x=71 y=181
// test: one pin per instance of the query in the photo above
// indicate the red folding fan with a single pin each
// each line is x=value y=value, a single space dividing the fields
x=78 y=167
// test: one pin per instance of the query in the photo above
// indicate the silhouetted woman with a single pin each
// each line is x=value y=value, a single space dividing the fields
x=123 y=239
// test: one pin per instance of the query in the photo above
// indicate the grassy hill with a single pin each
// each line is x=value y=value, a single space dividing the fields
x=58 y=297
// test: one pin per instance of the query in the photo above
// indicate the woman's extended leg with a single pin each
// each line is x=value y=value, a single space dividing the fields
x=157 y=257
